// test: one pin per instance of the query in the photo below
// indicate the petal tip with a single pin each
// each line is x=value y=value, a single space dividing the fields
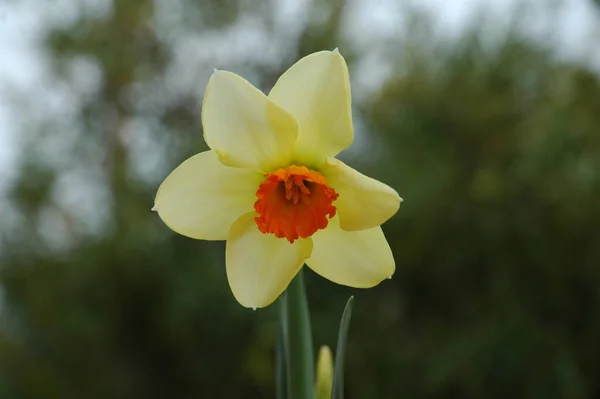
x=254 y=308
x=389 y=277
x=338 y=56
x=154 y=208
x=219 y=73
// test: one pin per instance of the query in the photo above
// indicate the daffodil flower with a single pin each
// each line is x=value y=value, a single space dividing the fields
x=271 y=187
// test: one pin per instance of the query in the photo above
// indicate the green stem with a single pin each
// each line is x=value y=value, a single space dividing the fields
x=298 y=341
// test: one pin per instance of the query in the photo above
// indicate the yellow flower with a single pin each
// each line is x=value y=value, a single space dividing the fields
x=271 y=187
x=324 y=373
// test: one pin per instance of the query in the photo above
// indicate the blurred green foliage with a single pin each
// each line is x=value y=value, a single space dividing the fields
x=495 y=149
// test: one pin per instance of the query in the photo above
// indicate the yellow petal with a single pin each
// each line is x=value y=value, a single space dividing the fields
x=360 y=259
x=202 y=198
x=363 y=202
x=261 y=266
x=316 y=91
x=243 y=126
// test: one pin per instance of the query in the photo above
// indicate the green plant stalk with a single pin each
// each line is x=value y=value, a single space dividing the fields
x=298 y=341
x=281 y=388
x=340 y=354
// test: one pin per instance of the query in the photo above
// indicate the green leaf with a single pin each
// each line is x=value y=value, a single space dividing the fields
x=340 y=353
x=298 y=341
x=281 y=359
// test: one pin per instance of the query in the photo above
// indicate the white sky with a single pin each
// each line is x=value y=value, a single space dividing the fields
x=23 y=22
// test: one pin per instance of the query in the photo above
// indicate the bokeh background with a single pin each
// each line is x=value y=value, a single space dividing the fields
x=485 y=116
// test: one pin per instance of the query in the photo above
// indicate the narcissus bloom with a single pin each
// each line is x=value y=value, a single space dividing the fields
x=271 y=187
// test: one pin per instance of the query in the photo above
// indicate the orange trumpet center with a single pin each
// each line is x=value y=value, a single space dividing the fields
x=294 y=202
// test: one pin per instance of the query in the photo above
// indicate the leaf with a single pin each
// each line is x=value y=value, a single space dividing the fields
x=281 y=361
x=340 y=353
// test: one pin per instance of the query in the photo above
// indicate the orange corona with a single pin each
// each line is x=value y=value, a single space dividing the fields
x=294 y=202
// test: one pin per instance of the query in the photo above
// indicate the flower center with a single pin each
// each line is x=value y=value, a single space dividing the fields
x=294 y=202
